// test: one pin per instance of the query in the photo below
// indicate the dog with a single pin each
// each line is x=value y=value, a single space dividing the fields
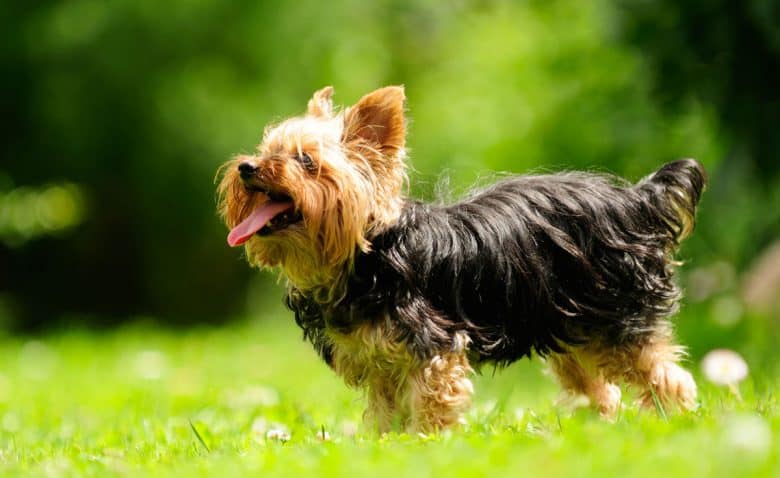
x=404 y=299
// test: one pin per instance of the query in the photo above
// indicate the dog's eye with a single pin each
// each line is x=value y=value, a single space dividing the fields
x=305 y=160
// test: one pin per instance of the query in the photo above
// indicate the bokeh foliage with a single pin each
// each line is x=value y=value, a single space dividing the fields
x=132 y=105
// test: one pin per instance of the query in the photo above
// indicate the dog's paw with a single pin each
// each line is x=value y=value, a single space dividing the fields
x=673 y=386
x=609 y=401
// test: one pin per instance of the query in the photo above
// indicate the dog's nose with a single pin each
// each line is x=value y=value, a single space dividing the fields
x=246 y=170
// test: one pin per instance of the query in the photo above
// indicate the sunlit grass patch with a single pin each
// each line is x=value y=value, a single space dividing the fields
x=254 y=399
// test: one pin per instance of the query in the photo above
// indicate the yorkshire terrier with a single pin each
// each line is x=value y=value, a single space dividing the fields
x=402 y=298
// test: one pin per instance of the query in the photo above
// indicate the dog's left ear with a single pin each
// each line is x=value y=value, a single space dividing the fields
x=378 y=120
x=321 y=103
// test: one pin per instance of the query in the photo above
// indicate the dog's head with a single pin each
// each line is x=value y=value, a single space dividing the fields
x=318 y=186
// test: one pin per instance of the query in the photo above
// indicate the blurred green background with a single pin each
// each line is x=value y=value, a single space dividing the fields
x=117 y=114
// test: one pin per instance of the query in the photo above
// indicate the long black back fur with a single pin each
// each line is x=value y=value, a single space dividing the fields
x=525 y=265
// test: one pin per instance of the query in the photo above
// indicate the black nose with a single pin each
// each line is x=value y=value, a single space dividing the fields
x=246 y=170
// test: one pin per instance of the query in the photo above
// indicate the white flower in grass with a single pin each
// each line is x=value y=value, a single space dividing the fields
x=150 y=364
x=277 y=434
x=37 y=360
x=748 y=434
x=323 y=435
x=11 y=422
x=725 y=367
x=271 y=431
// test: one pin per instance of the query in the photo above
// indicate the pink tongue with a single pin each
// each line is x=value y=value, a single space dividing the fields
x=255 y=221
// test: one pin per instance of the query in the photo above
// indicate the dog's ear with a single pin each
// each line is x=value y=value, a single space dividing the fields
x=377 y=120
x=321 y=103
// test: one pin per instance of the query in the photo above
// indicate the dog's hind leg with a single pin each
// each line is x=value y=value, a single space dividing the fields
x=653 y=367
x=579 y=374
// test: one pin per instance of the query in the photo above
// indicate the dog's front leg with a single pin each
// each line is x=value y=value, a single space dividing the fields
x=429 y=396
x=439 y=392
x=383 y=413
x=371 y=357
x=404 y=390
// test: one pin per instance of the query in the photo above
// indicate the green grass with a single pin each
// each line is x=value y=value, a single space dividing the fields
x=141 y=401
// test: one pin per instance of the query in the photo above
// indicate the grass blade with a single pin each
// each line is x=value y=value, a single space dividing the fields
x=659 y=407
x=200 y=438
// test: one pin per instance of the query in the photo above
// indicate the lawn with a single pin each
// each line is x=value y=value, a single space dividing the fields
x=146 y=401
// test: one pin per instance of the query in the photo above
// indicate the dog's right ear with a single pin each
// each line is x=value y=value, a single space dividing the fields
x=378 y=121
x=321 y=103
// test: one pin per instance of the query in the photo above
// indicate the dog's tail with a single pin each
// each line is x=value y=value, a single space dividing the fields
x=674 y=192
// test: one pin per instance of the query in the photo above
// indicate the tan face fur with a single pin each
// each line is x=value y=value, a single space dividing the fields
x=344 y=172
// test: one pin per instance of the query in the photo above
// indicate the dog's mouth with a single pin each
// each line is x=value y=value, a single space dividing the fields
x=273 y=215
